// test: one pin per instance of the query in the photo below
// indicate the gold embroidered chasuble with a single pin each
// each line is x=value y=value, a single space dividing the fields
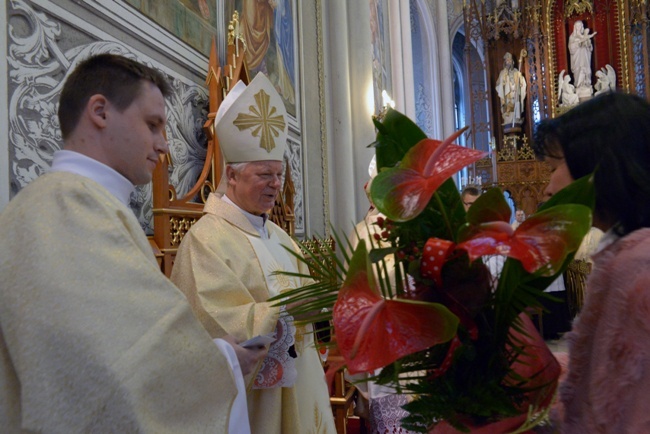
x=93 y=337
x=218 y=267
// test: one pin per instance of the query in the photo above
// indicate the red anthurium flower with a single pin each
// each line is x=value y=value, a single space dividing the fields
x=373 y=332
x=542 y=242
x=401 y=193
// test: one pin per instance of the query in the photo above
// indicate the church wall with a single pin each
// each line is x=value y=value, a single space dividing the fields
x=349 y=108
x=314 y=132
x=44 y=40
x=193 y=21
x=45 y=37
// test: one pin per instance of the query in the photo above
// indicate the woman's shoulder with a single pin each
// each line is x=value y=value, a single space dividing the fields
x=628 y=268
x=634 y=246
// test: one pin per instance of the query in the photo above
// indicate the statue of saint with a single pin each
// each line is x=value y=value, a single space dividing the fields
x=580 y=49
x=511 y=88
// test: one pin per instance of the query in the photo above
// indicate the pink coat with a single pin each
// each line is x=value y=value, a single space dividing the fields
x=607 y=388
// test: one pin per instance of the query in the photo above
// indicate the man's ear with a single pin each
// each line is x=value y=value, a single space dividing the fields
x=96 y=110
x=230 y=173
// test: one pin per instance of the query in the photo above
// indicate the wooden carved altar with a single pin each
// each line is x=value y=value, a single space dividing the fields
x=520 y=173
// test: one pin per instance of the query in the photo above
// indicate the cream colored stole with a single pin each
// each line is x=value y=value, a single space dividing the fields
x=278 y=368
x=310 y=387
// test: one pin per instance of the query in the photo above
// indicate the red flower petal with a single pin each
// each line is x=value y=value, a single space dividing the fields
x=372 y=332
x=401 y=193
x=488 y=240
x=542 y=242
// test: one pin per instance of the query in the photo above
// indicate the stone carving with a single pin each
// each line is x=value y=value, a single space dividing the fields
x=580 y=50
x=566 y=92
x=511 y=88
x=605 y=80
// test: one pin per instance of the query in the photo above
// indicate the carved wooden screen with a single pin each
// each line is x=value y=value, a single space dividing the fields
x=173 y=216
x=520 y=173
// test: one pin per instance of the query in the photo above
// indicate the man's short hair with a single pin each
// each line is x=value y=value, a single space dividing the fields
x=116 y=77
x=237 y=167
x=472 y=191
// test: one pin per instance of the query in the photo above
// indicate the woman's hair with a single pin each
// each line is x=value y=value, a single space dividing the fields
x=610 y=136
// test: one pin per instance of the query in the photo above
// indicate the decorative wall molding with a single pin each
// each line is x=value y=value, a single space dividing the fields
x=4 y=125
x=293 y=154
x=45 y=42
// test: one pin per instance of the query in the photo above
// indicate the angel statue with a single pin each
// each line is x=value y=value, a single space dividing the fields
x=606 y=80
x=566 y=92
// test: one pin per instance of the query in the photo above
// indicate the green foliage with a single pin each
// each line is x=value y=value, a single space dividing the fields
x=490 y=206
x=480 y=386
x=396 y=134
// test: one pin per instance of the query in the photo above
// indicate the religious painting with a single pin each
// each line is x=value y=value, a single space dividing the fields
x=191 y=21
x=204 y=8
x=270 y=31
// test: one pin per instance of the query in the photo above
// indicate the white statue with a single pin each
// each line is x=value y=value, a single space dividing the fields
x=606 y=80
x=566 y=92
x=580 y=49
x=511 y=88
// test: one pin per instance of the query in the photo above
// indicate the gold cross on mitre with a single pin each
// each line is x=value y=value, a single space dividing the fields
x=263 y=120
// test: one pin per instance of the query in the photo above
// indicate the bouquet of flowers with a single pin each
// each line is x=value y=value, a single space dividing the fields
x=445 y=331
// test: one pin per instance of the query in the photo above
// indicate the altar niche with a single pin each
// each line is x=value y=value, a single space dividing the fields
x=587 y=45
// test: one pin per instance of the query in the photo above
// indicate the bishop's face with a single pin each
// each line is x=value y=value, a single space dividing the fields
x=255 y=186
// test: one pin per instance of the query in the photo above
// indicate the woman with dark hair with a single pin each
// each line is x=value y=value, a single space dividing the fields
x=606 y=388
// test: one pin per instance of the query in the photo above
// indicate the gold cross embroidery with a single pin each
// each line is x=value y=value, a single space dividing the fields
x=262 y=118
